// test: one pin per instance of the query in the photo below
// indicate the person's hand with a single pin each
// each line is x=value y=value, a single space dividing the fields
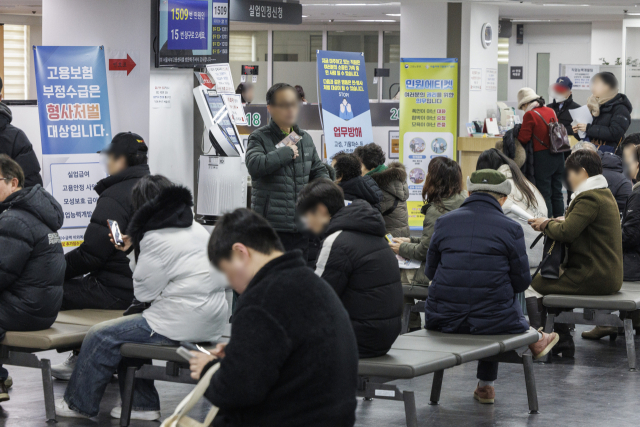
x=395 y=246
x=537 y=223
x=295 y=151
x=198 y=362
x=580 y=127
x=402 y=239
x=219 y=350
x=126 y=239
x=559 y=218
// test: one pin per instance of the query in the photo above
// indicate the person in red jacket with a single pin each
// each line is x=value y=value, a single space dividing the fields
x=548 y=166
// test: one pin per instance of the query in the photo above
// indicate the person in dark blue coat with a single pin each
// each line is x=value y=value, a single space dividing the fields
x=477 y=261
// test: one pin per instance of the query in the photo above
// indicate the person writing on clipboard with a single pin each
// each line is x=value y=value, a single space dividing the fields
x=281 y=159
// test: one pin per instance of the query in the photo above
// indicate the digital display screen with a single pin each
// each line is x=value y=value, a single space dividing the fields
x=223 y=120
x=192 y=33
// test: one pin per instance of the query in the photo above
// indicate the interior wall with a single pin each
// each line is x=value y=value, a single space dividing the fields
x=423 y=29
x=35 y=39
x=606 y=41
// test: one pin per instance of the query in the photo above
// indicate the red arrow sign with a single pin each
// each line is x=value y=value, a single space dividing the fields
x=122 y=64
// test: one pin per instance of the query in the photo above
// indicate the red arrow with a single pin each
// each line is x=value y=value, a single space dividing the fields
x=122 y=64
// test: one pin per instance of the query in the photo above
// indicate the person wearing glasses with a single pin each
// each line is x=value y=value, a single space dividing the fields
x=282 y=159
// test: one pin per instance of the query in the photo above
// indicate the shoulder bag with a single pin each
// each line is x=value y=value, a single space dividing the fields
x=552 y=259
x=557 y=136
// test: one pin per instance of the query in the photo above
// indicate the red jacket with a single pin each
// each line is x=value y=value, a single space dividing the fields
x=532 y=124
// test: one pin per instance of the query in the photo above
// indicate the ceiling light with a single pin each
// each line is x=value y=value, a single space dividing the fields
x=563 y=5
x=305 y=16
x=534 y=20
x=392 y=14
x=352 y=4
x=375 y=20
x=632 y=13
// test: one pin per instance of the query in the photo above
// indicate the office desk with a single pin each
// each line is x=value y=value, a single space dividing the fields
x=469 y=149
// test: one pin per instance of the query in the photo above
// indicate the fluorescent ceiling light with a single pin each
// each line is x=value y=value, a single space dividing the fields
x=633 y=13
x=305 y=16
x=534 y=20
x=392 y=14
x=563 y=5
x=375 y=20
x=351 y=4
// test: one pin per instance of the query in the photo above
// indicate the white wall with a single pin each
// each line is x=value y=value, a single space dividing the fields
x=35 y=39
x=423 y=29
x=606 y=41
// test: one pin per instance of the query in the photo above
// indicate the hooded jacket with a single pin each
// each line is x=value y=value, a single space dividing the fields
x=395 y=191
x=358 y=263
x=563 y=114
x=362 y=188
x=478 y=263
x=97 y=255
x=612 y=123
x=619 y=184
x=15 y=144
x=173 y=272
x=631 y=236
x=31 y=260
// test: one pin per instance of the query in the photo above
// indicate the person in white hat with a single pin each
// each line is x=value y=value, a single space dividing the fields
x=548 y=167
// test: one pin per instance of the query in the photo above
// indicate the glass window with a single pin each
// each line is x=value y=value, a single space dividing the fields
x=358 y=41
x=249 y=48
x=294 y=59
x=391 y=58
x=16 y=74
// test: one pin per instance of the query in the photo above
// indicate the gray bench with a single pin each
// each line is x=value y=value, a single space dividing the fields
x=599 y=311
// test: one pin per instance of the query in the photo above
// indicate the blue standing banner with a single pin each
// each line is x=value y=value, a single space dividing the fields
x=73 y=106
x=345 y=101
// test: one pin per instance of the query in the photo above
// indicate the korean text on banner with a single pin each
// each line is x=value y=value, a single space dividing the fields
x=345 y=101
x=428 y=121
x=73 y=104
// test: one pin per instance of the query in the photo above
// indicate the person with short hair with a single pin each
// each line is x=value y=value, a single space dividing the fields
x=356 y=261
x=245 y=90
x=292 y=359
x=354 y=185
x=301 y=95
x=279 y=171
x=563 y=103
x=392 y=180
x=31 y=257
x=477 y=262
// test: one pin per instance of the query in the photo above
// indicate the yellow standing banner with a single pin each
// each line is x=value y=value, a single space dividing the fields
x=428 y=121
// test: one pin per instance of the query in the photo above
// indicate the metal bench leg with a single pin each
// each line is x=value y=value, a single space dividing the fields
x=127 y=402
x=530 y=381
x=47 y=386
x=410 y=408
x=406 y=316
x=631 y=348
x=436 y=387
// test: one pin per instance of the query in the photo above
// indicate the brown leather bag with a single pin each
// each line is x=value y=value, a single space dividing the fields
x=558 y=136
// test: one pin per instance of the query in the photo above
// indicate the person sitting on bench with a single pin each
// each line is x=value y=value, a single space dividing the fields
x=354 y=185
x=357 y=262
x=31 y=257
x=292 y=359
x=477 y=261
x=173 y=274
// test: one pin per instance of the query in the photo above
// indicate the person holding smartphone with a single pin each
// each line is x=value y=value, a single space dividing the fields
x=172 y=274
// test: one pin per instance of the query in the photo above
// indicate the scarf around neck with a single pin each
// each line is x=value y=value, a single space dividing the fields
x=533 y=105
x=592 y=183
x=594 y=102
x=378 y=169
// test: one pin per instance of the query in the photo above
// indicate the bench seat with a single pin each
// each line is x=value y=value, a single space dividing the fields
x=627 y=299
x=406 y=363
x=157 y=352
x=59 y=335
x=87 y=317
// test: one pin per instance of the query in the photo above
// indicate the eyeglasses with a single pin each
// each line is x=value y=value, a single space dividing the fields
x=5 y=179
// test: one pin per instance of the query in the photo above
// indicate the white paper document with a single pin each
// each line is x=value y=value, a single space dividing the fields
x=581 y=115
x=407 y=264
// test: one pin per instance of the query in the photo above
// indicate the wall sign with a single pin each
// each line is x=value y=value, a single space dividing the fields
x=581 y=75
x=265 y=11
x=491 y=79
x=516 y=73
x=249 y=70
x=475 y=79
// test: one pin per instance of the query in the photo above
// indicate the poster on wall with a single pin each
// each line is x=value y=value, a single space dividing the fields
x=475 y=79
x=73 y=105
x=345 y=101
x=491 y=79
x=581 y=75
x=428 y=121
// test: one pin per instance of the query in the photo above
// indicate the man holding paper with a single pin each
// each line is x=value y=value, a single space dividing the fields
x=282 y=159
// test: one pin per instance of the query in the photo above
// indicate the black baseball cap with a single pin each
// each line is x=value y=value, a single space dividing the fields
x=126 y=143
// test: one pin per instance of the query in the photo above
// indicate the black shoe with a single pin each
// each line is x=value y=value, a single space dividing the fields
x=4 y=394
x=565 y=348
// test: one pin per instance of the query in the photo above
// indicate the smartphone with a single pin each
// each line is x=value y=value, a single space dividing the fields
x=389 y=237
x=115 y=232
x=193 y=347
x=186 y=354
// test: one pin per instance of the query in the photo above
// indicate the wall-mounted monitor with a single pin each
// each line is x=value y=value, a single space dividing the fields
x=192 y=33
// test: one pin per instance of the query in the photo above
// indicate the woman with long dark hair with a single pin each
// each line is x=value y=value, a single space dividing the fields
x=524 y=195
x=442 y=192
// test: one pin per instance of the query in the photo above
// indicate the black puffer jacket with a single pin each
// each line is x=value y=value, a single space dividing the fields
x=563 y=114
x=277 y=178
x=631 y=236
x=612 y=123
x=358 y=263
x=97 y=255
x=31 y=260
x=362 y=188
x=15 y=144
x=619 y=184
x=395 y=191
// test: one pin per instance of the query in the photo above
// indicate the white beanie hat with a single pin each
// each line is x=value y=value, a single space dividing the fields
x=525 y=96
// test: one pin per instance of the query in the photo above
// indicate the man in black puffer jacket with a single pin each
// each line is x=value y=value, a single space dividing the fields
x=15 y=144
x=355 y=186
x=31 y=257
x=357 y=262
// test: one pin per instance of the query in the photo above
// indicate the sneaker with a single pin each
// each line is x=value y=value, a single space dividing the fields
x=63 y=410
x=64 y=370
x=4 y=394
x=137 y=415
x=8 y=382
x=485 y=395
x=544 y=344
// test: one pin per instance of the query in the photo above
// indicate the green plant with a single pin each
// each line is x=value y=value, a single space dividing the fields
x=618 y=61
x=604 y=61
x=632 y=62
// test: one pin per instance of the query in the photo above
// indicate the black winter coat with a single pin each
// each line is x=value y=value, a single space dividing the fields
x=31 y=260
x=358 y=263
x=619 y=184
x=97 y=255
x=478 y=262
x=15 y=144
x=362 y=188
x=631 y=236
x=563 y=114
x=292 y=359
x=612 y=123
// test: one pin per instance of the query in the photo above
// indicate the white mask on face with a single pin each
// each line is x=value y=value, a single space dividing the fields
x=558 y=97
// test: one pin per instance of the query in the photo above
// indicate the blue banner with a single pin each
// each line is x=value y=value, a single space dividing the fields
x=73 y=100
x=345 y=101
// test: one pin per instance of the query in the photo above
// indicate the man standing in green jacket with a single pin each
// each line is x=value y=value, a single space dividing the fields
x=280 y=169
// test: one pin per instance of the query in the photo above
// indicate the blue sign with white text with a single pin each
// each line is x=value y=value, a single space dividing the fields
x=73 y=101
x=188 y=24
x=345 y=101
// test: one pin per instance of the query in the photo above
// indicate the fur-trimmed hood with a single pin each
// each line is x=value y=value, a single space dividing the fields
x=393 y=179
x=171 y=208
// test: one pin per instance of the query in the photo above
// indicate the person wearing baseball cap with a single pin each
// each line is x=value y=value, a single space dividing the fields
x=97 y=274
x=563 y=101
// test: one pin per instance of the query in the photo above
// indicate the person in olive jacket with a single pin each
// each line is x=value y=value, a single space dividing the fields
x=280 y=171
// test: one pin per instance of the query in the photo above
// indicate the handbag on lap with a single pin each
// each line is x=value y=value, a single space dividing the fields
x=552 y=259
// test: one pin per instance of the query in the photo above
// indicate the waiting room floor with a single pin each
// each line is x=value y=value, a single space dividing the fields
x=595 y=388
